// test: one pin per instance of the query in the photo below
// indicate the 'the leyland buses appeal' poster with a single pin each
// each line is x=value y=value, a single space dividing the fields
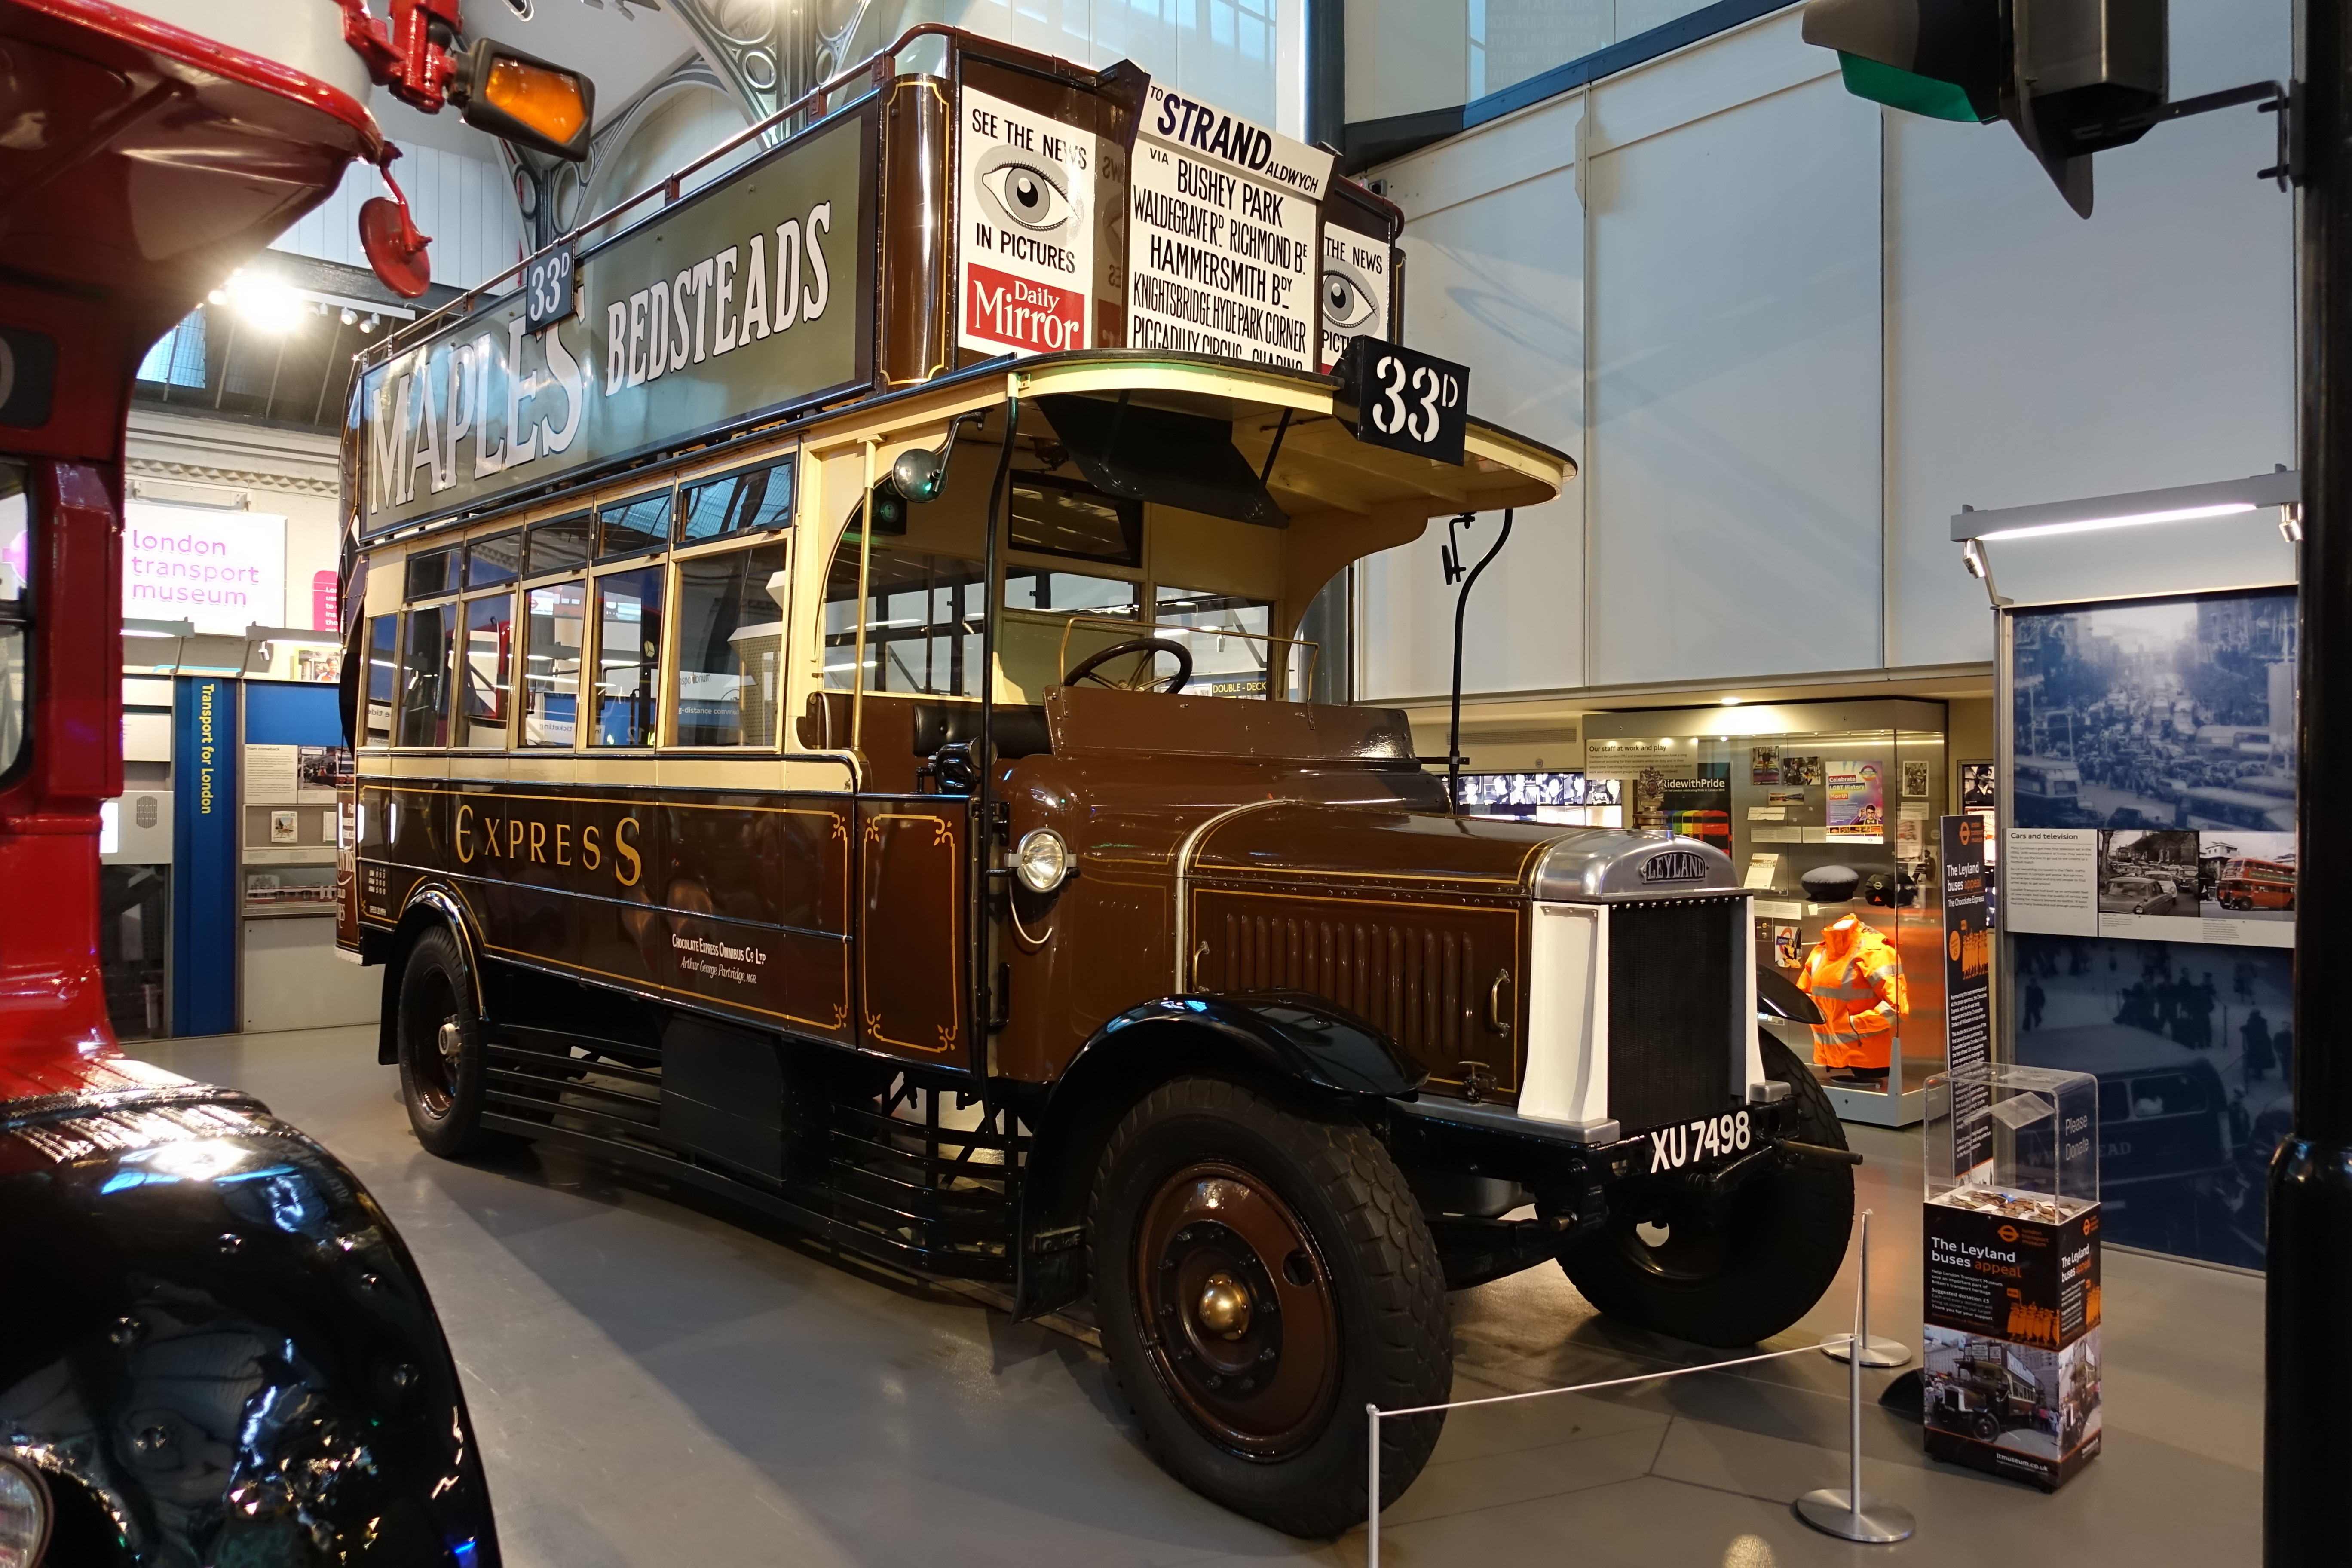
x=1026 y=264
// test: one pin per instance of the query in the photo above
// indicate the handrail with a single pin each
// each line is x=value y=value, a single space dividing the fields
x=667 y=187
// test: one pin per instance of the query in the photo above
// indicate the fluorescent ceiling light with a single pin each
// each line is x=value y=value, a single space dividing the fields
x=2129 y=519
x=2181 y=503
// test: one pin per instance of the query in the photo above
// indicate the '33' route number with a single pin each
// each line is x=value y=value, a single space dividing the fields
x=1405 y=399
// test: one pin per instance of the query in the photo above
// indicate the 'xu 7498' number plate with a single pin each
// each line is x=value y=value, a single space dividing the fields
x=1696 y=1142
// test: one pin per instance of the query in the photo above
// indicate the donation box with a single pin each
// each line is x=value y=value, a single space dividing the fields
x=2010 y=1344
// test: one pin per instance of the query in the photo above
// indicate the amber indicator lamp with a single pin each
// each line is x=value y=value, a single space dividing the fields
x=525 y=100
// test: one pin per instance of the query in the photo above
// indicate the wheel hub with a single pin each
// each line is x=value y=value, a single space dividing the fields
x=1224 y=1306
x=452 y=1041
x=1237 y=1308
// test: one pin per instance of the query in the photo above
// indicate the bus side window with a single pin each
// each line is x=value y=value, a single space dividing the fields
x=425 y=698
x=489 y=665
x=383 y=677
x=628 y=657
x=551 y=671
x=731 y=613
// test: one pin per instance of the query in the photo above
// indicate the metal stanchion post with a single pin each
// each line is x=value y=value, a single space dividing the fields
x=1875 y=1351
x=1849 y=1514
x=1372 y=1488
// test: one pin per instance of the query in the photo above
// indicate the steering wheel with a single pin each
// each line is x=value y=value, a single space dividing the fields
x=1138 y=680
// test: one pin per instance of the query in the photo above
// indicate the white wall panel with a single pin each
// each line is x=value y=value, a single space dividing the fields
x=1497 y=283
x=2038 y=357
x=464 y=203
x=1736 y=476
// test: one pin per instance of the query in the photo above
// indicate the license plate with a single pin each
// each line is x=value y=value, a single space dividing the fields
x=1701 y=1142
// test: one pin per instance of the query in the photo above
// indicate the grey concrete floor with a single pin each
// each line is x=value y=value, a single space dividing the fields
x=654 y=1385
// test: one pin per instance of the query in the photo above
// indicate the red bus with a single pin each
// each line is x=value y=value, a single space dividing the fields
x=162 y=1225
x=2252 y=884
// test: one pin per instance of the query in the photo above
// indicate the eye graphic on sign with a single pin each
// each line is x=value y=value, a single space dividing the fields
x=1347 y=301
x=1025 y=191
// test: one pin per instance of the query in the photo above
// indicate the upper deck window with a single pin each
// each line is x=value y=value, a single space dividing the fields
x=632 y=526
x=1070 y=593
x=736 y=503
x=628 y=657
x=425 y=675
x=432 y=573
x=495 y=560
x=560 y=544
x=1054 y=517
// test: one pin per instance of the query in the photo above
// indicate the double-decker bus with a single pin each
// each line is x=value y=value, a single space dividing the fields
x=2248 y=883
x=217 y=1347
x=2248 y=810
x=831 y=678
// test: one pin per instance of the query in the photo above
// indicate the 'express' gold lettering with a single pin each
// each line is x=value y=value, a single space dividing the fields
x=465 y=854
x=594 y=856
x=538 y=842
x=490 y=834
x=562 y=843
x=620 y=846
x=514 y=837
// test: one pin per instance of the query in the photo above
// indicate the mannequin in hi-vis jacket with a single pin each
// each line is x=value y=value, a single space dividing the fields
x=1855 y=977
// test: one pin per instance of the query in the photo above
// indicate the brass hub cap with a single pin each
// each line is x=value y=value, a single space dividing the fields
x=1237 y=1310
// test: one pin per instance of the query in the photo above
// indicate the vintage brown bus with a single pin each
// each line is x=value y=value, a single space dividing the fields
x=783 y=765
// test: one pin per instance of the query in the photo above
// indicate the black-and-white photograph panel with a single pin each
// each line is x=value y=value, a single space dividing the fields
x=2156 y=714
x=2145 y=873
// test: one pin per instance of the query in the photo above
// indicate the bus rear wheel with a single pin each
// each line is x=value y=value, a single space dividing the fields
x=442 y=1062
x=1261 y=1276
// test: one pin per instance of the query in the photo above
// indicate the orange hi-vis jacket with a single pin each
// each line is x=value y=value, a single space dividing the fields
x=1854 y=976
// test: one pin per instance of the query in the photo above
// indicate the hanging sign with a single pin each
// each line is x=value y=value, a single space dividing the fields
x=1223 y=234
x=1357 y=282
x=1026 y=202
x=1394 y=396
x=751 y=297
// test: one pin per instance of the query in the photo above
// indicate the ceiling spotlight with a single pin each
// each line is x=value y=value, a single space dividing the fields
x=350 y=315
x=217 y=296
x=369 y=325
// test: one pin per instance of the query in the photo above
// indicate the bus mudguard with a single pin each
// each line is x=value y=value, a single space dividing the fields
x=425 y=906
x=1285 y=1037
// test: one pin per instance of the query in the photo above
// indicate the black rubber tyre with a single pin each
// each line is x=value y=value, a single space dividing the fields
x=1734 y=1279
x=1988 y=1430
x=1198 y=1186
x=443 y=1064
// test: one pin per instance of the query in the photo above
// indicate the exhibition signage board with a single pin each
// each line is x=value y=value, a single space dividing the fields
x=2150 y=889
x=753 y=296
x=1968 y=951
x=2010 y=1250
x=205 y=847
x=2011 y=1341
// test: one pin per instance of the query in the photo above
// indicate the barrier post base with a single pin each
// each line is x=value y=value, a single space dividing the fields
x=1877 y=1521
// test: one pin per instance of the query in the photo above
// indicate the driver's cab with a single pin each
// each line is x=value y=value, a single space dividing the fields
x=1164 y=526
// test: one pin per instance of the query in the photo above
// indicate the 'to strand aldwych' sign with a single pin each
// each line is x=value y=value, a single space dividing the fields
x=1222 y=235
x=753 y=297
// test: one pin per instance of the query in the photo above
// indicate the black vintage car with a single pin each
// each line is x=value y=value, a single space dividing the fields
x=214 y=1348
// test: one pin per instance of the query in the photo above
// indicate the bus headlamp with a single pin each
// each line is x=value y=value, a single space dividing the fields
x=24 y=1515
x=1043 y=862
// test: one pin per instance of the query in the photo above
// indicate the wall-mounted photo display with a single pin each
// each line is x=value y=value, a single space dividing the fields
x=2153 y=784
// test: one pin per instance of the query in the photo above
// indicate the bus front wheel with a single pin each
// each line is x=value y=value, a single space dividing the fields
x=443 y=1063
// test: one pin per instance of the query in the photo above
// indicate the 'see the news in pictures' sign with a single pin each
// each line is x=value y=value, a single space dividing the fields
x=1027 y=258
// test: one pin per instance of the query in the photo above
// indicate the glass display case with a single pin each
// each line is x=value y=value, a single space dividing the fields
x=1829 y=812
